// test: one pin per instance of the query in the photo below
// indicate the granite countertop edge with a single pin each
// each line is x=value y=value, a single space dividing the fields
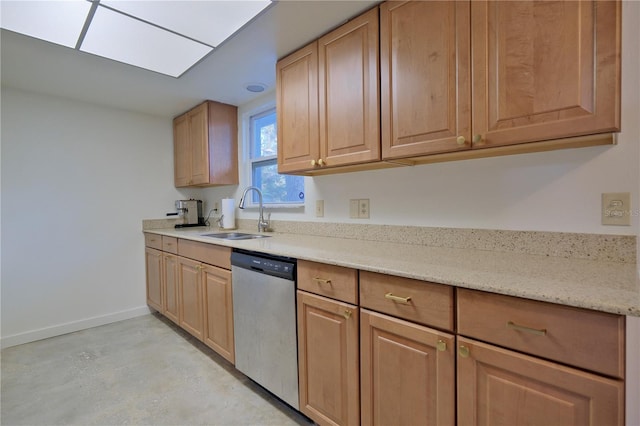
x=604 y=286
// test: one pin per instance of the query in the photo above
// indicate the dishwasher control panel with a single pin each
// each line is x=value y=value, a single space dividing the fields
x=271 y=265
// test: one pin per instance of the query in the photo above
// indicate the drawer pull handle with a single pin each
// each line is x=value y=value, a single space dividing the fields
x=441 y=345
x=538 y=332
x=322 y=280
x=403 y=300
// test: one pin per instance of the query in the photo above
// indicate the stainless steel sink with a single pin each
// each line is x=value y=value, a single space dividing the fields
x=235 y=236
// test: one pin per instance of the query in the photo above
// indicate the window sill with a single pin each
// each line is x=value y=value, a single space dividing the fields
x=275 y=206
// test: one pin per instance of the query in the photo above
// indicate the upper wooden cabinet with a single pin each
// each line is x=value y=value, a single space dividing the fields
x=348 y=93
x=544 y=70
x=425 y=77
x=297 y=106
x=328 y=99
x=458 y=79
x=205 y=146
x=534 y=71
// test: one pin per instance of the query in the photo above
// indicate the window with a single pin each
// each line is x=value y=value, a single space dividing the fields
x=263 y=152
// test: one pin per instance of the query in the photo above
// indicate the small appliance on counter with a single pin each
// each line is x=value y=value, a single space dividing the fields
x=190 y=211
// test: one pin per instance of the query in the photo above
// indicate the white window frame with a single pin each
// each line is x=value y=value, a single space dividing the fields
x=247 y=161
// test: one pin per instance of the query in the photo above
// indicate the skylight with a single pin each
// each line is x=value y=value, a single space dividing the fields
x=165 y=36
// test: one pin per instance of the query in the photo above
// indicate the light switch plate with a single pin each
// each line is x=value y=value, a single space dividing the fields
x=353 y=208
x=319 y=208
x=616 y=208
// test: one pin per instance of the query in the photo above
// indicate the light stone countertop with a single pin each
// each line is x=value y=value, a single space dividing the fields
x=600 y=285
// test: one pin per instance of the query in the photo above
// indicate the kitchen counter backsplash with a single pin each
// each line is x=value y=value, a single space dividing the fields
x=601 y=247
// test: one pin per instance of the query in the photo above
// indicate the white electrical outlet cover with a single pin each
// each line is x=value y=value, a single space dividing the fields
x=616 y=208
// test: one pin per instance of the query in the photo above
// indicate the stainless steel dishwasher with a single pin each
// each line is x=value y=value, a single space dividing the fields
x=264 y=318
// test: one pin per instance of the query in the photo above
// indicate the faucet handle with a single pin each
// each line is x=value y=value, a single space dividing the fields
x=264 y=224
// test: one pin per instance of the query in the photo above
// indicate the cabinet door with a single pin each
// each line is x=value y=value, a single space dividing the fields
x=425 y=77
x=407 y=373
x=348 y=92
x=500 y=387
x=170 y=287
x=544 y=69
x=153 y=262
x=190 y=286
x=181 y=151
x=297 y=105
x=218 y=311
x=199 y=136
x=223 y=143
x=328 y=360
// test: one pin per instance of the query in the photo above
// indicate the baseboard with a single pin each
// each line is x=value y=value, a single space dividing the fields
x=70 y=327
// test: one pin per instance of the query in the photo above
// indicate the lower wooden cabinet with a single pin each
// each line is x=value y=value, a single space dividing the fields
x=218 y=313
x=190 y=296
x=407 y=372
x=190 y=283
x=170 y=287
x=501 y=387
x=153 y=266
x=328 y=360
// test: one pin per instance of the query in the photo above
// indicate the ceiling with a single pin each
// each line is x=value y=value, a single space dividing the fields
x=247 y=57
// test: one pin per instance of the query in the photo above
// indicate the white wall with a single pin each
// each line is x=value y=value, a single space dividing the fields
x=552 y=191
x=77 y=180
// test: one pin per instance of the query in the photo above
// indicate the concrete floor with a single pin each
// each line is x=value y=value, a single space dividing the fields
x=143 y=371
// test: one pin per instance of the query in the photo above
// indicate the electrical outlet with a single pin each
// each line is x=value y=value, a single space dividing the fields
x=354 y=206
x=363 y=209
x=319 y=208
x=616 y=208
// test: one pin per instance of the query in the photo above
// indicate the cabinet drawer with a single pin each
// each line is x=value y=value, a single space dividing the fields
x=207 y=253
x=332 y=281
x=417 y=301
x=153 y=241
x=587 y=339
x=170 y=244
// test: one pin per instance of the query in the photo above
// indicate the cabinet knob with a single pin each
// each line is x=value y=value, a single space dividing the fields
x=463 y=351
x=441 y=345
x=347 y=314
x=461 y=140
x=321 y=162
x=477 y=139
x=313 y=163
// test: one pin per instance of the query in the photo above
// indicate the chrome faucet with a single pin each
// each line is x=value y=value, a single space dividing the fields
x=263 y=225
